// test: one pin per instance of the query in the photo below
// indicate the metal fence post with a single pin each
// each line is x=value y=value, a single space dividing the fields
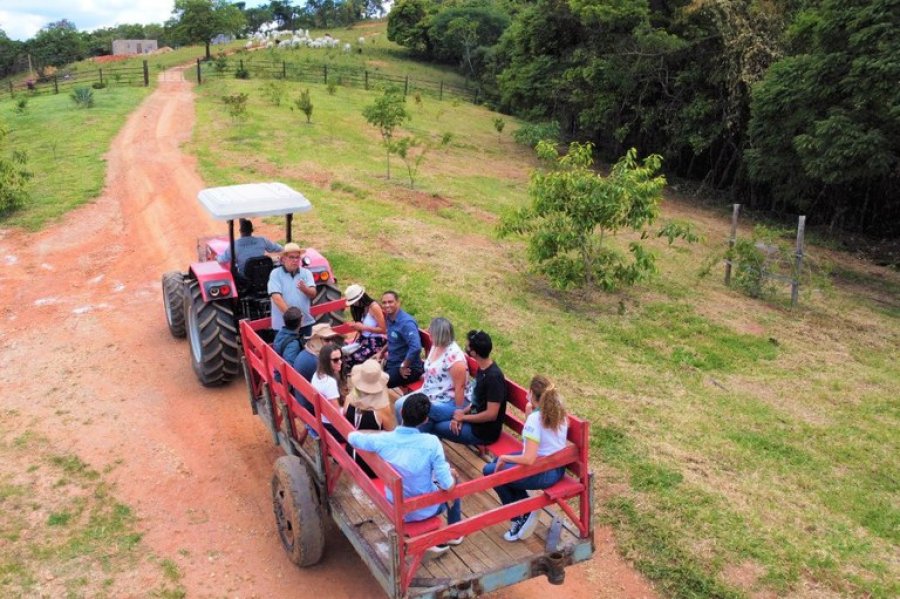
x=146 y=75
x=406 y=86
x=199 y=78
x=731 y=241
x=798 y=263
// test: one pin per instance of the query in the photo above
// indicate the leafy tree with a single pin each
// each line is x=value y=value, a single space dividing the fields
x=236 y=105
x=57 y=44
x=408 y=24
x=499 y=125
x=387 y=113
x=460 y=34
x=198 y=21
x=574 y=210
x=9 y=50
x=14 y=175
x=304 y=104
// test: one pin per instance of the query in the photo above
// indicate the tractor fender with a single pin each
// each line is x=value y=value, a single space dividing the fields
x=214 y=280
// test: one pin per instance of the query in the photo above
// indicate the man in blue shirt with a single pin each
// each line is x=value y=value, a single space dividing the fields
x=248 y=246
x=419 y=460
x=404 y=346
x=292 y=285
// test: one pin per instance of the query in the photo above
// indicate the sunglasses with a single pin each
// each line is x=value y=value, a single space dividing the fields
x=338 y=359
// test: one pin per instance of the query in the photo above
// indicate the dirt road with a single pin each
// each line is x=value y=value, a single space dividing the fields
x=85 y=353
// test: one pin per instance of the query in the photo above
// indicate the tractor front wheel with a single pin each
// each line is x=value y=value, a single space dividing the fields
x=212 y=331
x=327 y=293
x=173 y=300
x=298 y=511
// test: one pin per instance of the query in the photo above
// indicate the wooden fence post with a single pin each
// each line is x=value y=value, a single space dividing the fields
x=367 y=80
x=475 y=101
x=406 y=86
x=798 y=263
x=441 y=92
x=325 y=71
x=146 y=75
x=101 y=76
x=736 y=208
x=55 y=84
x=284 y=69
x=12 y=93
x=199 y=78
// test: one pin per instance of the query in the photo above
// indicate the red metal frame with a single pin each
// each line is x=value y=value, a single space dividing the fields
x=263 y=362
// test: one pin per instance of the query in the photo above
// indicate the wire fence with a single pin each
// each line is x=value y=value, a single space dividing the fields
x=338 y=75
x=62 y=82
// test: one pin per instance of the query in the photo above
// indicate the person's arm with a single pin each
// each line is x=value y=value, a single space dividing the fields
x=306 y=285
x=380 y=326
x=271 y=246
x=526 y=458
x=365 y=441
x=443 y=474
x=459 y=374
x=225 y=257
x=278 y=300
x=411 y=333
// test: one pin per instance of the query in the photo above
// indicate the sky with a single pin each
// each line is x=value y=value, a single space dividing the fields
x=21 y=19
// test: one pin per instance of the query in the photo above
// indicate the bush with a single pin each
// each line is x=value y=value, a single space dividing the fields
x=274 y=91
x=14 y=176
x=332 y=88
x=221 y=63
x=237 y=105
x=241 y=73
x=22 y=104
x=530 y=134
x=83 y=97
x=98 y=85
x=304 y=104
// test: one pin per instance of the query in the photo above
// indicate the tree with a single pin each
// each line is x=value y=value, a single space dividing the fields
x=408 y=24
x=574 y=210
x=304 y=104
x=9 y=50
x=14 y=175
x=387 y=113
x=198 y=21
x=57 y=44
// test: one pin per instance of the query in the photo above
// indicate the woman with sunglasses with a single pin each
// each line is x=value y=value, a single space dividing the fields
x=328 y=381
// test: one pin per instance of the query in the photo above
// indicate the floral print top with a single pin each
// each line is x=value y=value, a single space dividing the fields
x=438 y=384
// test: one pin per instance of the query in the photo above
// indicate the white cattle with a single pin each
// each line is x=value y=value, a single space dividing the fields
x=347 y=48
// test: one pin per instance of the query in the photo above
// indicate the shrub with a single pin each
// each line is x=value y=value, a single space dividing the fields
x=499 y=124
x=304 y=105
x=332 y=88
x=221 y=63
x=241 y=73
x=237 y=105
x=530 y=134
x=22 y=104
x=274 y=91
x=98 y=85
x=83 y=97
x=14 y=176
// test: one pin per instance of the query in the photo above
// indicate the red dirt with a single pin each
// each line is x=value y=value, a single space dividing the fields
x=85 y=357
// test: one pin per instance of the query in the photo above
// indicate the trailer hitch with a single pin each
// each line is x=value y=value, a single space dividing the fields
x=552 y=565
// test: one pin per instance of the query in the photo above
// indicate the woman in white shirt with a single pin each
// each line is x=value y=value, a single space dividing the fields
x=327 y=381
x=445 y=377
x=544 y=434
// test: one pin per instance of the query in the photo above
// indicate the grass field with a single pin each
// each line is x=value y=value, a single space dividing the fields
x=742 y=449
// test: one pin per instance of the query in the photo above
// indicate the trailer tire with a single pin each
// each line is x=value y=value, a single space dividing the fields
x=173 y=300
x=298 y=511
x=213 y=337
x=327 y=293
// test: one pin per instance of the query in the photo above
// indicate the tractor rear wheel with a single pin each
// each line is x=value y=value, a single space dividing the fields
x=212 y=331
x=173 y=300
x=298 y=511
x=327 y=293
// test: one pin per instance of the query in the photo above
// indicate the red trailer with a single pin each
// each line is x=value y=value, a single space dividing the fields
x=319 y=479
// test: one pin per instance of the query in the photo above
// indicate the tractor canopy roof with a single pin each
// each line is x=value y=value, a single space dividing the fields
x=252 y=200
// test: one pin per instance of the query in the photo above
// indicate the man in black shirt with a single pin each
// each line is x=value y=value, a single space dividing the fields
x=482 y=421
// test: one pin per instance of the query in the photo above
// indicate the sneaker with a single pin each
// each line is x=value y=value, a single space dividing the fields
x=456 y=541
x=529 y=525
x=437 y=550
x=513 y=533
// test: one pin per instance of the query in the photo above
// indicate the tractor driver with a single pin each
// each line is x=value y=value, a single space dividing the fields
x=292 y=285
x=248 y=246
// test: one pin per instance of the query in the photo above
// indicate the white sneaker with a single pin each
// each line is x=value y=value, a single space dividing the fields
x=437 y=550
x=529 y=525
x=456 y=541
x=513 y=533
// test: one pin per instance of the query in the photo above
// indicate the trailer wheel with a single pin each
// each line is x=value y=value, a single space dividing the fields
x=298 y=512
x=214 y=339
x=173 y=300
x=327 y=293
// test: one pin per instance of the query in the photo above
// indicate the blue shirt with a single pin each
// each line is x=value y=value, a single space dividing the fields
x=404 y=342
x=416 y=456
x=285 y=283
x=248 y=247
x=287 y=344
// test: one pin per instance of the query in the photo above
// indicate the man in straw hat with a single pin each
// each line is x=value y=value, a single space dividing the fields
x=292 y=285
x=419 y=459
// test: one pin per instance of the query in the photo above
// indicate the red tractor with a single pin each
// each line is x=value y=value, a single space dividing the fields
x=207 y=302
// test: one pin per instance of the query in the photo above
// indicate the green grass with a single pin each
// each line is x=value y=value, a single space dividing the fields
x=65 y=147
x=730 y=436
x=72 y=540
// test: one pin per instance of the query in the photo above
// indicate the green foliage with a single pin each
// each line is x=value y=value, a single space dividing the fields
x=21 y=104
x=197 y=21
x=241 y=73
x=221 y=63
x=274 y=91
x=14 y=175
x=530 y=134
x=98 y=85
x=83 y=97
x=499 y=125
x=331 y=88
x=407 y=24
x=574 y=209
x=679 y=229
x=387 y=113
x=236 y=104
x=304 y=104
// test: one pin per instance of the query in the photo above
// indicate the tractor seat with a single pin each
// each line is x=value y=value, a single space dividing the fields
x=256 y=274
